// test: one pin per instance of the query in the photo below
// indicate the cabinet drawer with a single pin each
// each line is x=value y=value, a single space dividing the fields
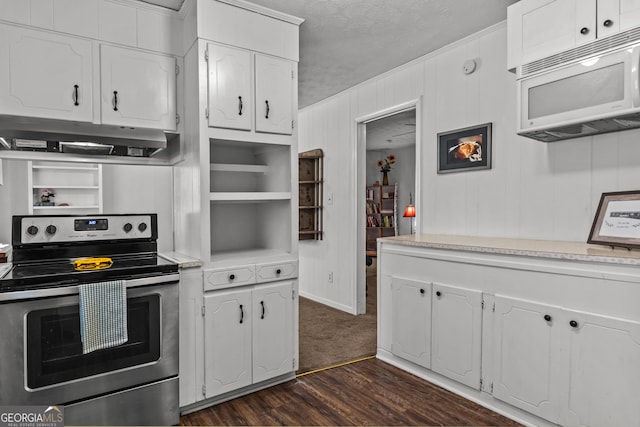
x=276 y=271
x=224 y=277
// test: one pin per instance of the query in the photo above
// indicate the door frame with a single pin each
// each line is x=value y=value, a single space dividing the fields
x=359 y=129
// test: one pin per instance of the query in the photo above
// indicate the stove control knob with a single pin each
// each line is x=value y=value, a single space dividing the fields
x=32 y=230
x=142 y=226
x=127 y=227
x=51 y=229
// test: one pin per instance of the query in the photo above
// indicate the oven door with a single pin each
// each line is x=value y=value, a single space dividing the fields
x=42 y=356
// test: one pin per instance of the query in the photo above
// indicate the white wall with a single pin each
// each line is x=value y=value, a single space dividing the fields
x=126 y=189
x=534 y=190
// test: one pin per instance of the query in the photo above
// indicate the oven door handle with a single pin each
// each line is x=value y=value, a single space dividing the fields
x=74 y=290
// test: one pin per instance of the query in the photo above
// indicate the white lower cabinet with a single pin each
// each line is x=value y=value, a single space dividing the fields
x=438 y=327
x=604 y=370
x=411 y=322
x=528 y=365
x=248 y=336
x=456 y=333
x=566 y=366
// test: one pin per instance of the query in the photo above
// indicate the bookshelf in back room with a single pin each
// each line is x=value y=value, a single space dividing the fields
x=382 y=201
x=77 y=188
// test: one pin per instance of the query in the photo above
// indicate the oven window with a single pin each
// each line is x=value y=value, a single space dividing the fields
x=54 y=347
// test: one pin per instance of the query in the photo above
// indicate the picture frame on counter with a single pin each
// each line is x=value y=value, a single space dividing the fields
x=617 y=220
x=465 y=149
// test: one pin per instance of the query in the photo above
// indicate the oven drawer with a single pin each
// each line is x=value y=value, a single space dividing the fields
x=276 y=271
x=225 y=277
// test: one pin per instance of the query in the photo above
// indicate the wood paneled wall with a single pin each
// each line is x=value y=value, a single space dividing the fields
x=534 y=190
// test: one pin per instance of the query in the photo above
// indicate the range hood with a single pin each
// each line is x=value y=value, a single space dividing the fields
x=34 y=138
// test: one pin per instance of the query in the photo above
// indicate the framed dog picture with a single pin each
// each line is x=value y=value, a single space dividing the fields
x=465 y=149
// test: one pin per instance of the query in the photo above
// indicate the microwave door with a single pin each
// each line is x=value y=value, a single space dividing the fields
x=583 y=91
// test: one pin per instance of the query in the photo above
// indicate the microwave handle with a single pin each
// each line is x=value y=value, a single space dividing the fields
x=635 y=76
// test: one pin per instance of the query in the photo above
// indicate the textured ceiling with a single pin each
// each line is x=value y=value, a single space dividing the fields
x=345 y=42
x=396 y=131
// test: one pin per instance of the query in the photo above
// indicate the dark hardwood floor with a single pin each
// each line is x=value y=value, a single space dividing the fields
x=369 y=392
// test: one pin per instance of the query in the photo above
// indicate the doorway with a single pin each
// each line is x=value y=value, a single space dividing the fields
x=386 y=141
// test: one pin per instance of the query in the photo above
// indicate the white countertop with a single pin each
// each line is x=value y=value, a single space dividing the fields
x=521 y=247
x=182 y=260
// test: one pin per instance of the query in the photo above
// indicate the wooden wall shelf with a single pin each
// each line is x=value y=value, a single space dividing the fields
x=310 y=170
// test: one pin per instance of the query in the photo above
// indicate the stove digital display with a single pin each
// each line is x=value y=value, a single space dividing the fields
x=91 y=224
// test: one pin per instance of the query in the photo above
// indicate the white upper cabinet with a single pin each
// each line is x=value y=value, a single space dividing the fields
x=230 y=99
x=566 y=24
x=243 y=85
x=274 y=94
x=138 y=89
x=540 y=28
x=45 y=75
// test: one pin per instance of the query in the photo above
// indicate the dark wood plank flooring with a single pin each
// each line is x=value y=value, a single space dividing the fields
x=369 y=392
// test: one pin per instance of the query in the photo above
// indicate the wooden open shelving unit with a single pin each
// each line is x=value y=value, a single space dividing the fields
x=310 y=170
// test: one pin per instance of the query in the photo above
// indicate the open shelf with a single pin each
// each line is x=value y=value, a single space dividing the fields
x=248 y=167
x=248 y=196
x=249 y=225
x=225 y=167
x=77 y=187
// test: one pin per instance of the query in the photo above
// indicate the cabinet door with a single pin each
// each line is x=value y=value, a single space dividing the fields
x=628 y=10
x=230 y=100
x=608 y=16
x=138 y=88
x=529 y=367
x=411 y=320
x=456 y=333
x=272 y=330
x=227 y=328
x=566 y=24
x=45 y=75
x=605 y=370
x=274 y=94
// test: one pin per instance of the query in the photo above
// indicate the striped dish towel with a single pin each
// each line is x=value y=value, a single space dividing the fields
x=103 y=315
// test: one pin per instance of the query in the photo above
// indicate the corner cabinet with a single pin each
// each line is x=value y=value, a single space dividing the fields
x=77 y=188
x=235 y=193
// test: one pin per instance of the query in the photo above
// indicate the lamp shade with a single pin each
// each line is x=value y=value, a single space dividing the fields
x=409 y=211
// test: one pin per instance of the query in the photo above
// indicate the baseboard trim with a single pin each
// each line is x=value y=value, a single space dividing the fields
x=236 y=393
x=333 y=304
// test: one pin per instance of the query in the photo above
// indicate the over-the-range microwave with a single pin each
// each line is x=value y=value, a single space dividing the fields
x=595 y=95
